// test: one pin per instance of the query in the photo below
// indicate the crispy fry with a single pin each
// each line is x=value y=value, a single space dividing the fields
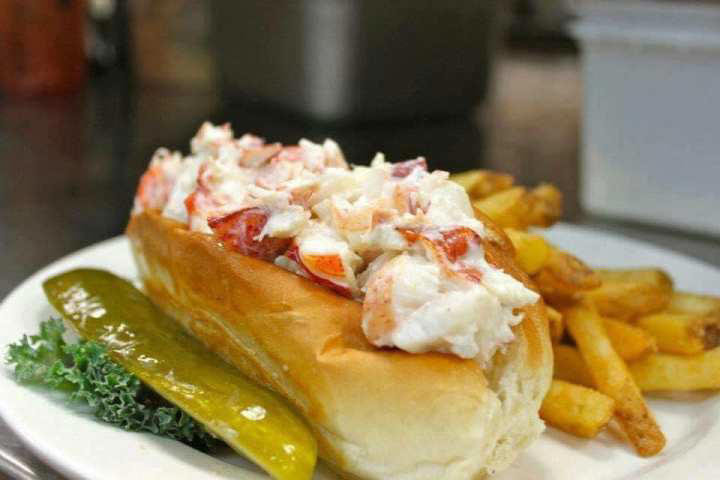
x=570 y=366
x=516 y=207
x=626 y=294
x=689 y=325
x=656 y=371
x=545 y=205
x=466 y=179
x=683 y=302
x=630 y=342
x=531 y=250
x=556 y=324
x=678 y=372
x=563 y=277
x=506 y=208
x=575 y=409
x=483 y=183
x=612 y=377
x=683 y=333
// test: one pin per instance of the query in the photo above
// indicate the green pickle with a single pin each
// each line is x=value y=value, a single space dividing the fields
x=103 y=307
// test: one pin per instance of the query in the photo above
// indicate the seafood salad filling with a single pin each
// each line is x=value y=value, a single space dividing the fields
x=401 y=240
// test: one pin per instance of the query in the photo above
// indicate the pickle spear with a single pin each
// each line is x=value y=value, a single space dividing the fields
x=103 y=307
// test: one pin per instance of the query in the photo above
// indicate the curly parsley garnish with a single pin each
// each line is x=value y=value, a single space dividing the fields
x=87 y=374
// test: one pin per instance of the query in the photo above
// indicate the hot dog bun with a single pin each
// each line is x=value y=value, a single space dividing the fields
x=377 y=413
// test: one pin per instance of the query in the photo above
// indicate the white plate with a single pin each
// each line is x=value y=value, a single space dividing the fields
x=81 y=447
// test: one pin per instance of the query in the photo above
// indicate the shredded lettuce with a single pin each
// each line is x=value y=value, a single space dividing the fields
x=87 y=374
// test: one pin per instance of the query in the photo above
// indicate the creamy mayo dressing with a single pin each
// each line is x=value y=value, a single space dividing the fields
x=401 y=240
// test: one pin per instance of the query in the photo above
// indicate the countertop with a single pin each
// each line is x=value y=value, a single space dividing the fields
x=68 y=167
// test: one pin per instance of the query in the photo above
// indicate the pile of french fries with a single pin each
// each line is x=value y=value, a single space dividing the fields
x=616 y=333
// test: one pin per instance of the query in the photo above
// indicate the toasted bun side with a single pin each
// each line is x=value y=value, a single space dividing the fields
x=377 y=413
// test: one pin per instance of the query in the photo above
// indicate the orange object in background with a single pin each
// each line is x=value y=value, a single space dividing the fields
x=42 y=46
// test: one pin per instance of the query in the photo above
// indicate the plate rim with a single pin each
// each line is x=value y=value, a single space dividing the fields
x=45 y=455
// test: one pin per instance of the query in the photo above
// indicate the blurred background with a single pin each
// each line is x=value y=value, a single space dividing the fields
x=615 y=102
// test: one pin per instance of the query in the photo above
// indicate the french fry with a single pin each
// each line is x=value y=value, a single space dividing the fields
x=630 y=342
x=563 y=277
x=555 y=324
x=625 y=339
x=612 y=377
x=482 y=183
x=626 y=294
x=466 y=179
x=682 y=333
x=660 y=371
x=531 y=250
x=575 y=409
x=684 y=302
x=689 y=325
x=655 y=372
x=570 y=366
x=507 y=208
x=546 y=203
x=516 y=207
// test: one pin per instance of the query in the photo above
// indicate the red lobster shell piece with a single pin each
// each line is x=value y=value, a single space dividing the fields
x=240 y=231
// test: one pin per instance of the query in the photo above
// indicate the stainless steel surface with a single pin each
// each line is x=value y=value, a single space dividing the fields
x=348 y=60
x=14 y=467
x=17 y=463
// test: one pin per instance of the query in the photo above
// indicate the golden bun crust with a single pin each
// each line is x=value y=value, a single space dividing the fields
x=377 y=413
